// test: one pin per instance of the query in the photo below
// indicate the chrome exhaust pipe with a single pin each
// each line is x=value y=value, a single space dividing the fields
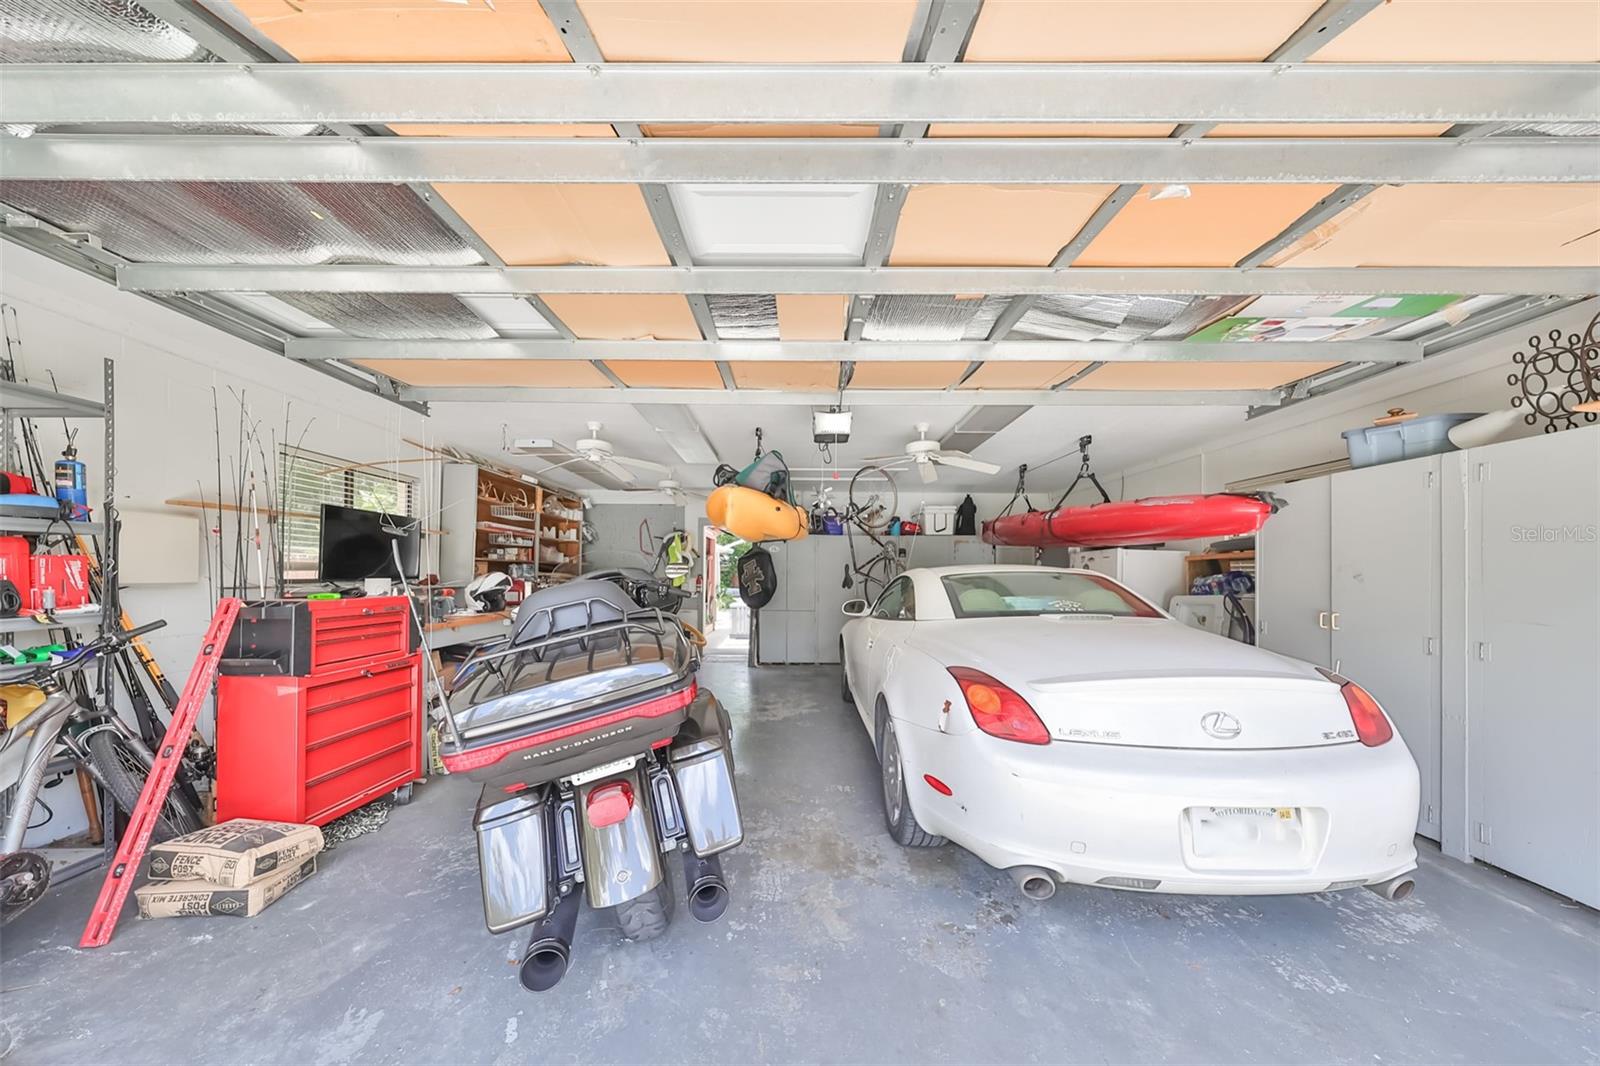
x=707 y=891
x=549 y=952
x=1395 y=889
x=1033 y=882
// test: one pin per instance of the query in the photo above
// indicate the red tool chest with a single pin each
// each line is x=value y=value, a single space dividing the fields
x=341 y=730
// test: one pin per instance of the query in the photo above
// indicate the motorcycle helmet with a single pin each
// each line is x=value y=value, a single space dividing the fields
x=487 y=594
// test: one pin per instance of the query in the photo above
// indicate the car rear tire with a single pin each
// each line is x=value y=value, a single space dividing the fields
x=648 y=916
x=897 y=814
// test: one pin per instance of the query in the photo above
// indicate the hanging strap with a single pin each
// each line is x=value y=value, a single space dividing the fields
x=1020 y=493
x=1084 y=471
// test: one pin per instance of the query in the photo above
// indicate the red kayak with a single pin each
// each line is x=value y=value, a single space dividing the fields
x=1152 y=520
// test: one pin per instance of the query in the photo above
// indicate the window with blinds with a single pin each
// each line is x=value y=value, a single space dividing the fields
x=308 y=480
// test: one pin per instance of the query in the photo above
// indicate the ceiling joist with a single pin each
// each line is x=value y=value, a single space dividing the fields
x=875 y=93
x=853 y=397
x=1001 y=161
x=509 y=348
x=872 y=281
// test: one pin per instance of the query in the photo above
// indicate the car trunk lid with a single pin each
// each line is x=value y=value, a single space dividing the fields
x=1153 y=683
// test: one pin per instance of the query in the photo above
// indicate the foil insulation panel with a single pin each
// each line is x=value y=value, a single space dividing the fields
x=1085 y=318
x=746 y=317
x=91 y=31
x=204 y=223
x=393 y=316
x=931 y=318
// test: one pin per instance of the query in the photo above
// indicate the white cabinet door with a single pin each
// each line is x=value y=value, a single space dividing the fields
x=1533 y=658
x=1385 y=603
x=1292 y=574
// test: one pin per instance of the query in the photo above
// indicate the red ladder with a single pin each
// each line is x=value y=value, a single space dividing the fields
x=142 y=823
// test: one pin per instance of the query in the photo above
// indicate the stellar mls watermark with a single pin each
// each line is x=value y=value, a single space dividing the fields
x=1542 y=534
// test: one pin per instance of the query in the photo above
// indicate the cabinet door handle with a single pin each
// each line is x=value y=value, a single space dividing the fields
x=1322 y=619
x=1334 y=620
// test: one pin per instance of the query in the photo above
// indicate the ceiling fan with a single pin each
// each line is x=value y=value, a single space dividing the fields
x=927 y=456
x=587 y=456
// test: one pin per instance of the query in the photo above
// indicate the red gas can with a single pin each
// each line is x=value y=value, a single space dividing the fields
x=62 y=578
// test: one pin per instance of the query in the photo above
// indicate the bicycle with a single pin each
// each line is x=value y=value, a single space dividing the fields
x=870 y=511
x=42 y=715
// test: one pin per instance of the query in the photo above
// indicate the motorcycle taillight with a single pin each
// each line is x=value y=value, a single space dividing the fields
x=609 y=803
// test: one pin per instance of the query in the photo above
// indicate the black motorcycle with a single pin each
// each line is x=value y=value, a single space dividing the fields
x=601 y=759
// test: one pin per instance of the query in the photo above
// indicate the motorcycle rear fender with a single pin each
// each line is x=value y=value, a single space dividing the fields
x=621 y=861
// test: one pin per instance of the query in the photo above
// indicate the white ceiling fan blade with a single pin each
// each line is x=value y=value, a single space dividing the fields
x=966 y=462
x=616 y=470
x=642 y=464
x=928 y=473
x=898 y=457
x=565 y=462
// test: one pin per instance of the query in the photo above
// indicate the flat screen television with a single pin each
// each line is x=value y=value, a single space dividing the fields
x=357 y=544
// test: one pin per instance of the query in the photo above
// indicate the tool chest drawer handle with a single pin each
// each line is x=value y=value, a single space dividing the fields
x=361 y=697
x=356 y=731
x=374 y=757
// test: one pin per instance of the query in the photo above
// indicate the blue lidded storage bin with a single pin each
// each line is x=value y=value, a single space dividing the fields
x=1411 y=439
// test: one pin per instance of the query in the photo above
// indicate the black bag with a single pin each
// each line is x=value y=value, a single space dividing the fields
x=758 y=578
x=967 y=518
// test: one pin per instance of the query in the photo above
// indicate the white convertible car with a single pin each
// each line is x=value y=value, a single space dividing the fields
x=1061 y=728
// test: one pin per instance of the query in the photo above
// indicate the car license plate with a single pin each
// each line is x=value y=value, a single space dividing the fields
x=1283 y=813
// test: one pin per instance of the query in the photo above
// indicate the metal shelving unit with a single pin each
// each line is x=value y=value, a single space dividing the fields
x=20 y=401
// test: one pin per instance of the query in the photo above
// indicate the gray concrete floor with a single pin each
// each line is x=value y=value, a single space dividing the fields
x=839 y=947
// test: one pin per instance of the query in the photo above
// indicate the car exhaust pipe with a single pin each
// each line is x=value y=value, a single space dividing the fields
x=707 y=891
x=1395 y=889
x=1035 y=883
x=549 y=952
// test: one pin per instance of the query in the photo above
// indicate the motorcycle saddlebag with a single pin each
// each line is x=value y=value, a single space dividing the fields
x=702 y=768
x=513 y=857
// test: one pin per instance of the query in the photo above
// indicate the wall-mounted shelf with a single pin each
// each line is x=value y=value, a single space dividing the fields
x=50 y=525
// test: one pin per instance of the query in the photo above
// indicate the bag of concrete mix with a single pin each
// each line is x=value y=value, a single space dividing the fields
x=233 y=854
x=185 y=899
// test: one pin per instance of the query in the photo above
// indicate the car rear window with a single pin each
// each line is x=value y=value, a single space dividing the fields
x=1011 y=593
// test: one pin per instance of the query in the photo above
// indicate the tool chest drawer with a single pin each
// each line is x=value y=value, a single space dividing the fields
x=308 y=749
x=304 y=638
x=344 y=631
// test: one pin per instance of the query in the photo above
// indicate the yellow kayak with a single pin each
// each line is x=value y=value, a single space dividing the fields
x=754 y=516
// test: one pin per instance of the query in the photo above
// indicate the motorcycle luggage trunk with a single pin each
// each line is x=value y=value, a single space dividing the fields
x=580 y=697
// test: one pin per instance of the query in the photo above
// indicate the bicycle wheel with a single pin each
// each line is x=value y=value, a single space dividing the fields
x=873 y=502
x=125 y=768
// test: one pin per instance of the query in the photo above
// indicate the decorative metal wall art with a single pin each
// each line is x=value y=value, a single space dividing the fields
x=1559 y=378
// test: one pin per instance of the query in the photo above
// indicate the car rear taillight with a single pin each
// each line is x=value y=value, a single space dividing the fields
x=1372 y=725
x=997 y=710
x=609 y=804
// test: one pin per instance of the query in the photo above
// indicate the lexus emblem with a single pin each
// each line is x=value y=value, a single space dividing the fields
x=1221 y=725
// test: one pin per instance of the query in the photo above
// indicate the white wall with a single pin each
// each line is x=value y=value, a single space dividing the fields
x=1472 y=378
x=166 y=368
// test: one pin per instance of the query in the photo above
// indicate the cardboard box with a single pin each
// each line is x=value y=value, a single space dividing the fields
x=186 y=899
x=234 y=854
